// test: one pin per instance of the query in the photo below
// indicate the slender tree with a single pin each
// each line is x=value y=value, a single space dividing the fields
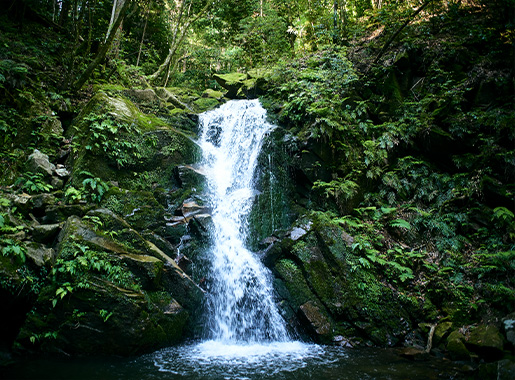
x=123 y=6
x=182 y=16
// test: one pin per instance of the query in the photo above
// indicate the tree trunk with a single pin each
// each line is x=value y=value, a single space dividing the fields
x=392 y=38
x=104 y=48
x=180 y=30
x=141 y=43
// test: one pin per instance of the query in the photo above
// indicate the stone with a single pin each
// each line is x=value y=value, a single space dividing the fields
x=52 y=125
x=414 y=353
x=189 y=176
x=191 y=208
x=509 y=328
x=43 y=200
x=456 y=346
x=45 y=233
x=148 y=269
x=22 y=202
x=130 y=324
x=209 y=93
x=57 y=183
x=316 y=319
x=145 y=96
x=486 y=341
x=506 y=370
x=62 y=172
x=232 y=82
x=39 y=254
x=60 y=213
x=441 y=331
x=39 y=163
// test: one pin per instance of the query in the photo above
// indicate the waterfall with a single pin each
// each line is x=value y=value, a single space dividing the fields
x=240 y=302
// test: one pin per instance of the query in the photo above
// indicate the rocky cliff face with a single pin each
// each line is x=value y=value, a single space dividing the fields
x=90 y=260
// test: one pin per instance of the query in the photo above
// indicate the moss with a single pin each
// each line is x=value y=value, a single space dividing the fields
x=205 y=104
x=232 y=78
x=139 y=208
x=209 y=93
x=294 y=281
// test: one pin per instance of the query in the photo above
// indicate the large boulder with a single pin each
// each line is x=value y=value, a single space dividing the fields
x=486 y=341
x=332 y=293
x=39 y=163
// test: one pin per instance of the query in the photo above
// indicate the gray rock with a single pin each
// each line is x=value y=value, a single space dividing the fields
x=456 y=346
x=43 y=200
x=39 y=254
x=509 y=328
x=39 y=163
x=486 y=341
x=62 y=172
x=45 y=233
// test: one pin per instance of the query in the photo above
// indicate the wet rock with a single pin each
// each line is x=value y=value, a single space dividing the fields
x=441 y=331
x=486 y=341
x=316 y=319
x=148 y=269
x=189 y=176
x=456 y=346
x=343 y=342
x=414 y=353
x=38 y=162
x=191 y=208
x=39 y=254
x=509 y=328
x=45 y=233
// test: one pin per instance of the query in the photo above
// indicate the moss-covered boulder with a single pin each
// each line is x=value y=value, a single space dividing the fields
x=332 y=292
x=456 y=346
x=486 y=341
x=232 y=82
x=102 y=318
x=111 y=292
x=116 y=142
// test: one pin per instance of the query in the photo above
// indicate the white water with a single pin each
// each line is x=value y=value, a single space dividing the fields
x=241 y=309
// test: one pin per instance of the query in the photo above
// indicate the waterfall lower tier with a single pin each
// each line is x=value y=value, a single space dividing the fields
x=240 y=302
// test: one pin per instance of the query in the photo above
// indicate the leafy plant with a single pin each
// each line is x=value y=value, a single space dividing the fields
x=33 y=183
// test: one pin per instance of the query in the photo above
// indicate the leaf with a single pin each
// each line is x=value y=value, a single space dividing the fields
x=400 y=223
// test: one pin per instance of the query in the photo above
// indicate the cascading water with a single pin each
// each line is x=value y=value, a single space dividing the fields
x=247 y=337
x=240 y=303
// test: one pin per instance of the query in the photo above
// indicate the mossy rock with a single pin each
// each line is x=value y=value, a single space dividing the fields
x=101 y=320
x=209 y=93
x=487 y=342
x=456 y=346
x=232 y=82
x=118 y=143
x=139 y=208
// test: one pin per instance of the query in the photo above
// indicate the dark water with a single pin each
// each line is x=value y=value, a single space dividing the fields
x=212 y=360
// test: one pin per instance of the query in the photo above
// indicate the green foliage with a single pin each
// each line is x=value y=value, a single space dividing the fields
x=93 y=189
x=78 y=265
x=33 y=183
x=13 y=249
